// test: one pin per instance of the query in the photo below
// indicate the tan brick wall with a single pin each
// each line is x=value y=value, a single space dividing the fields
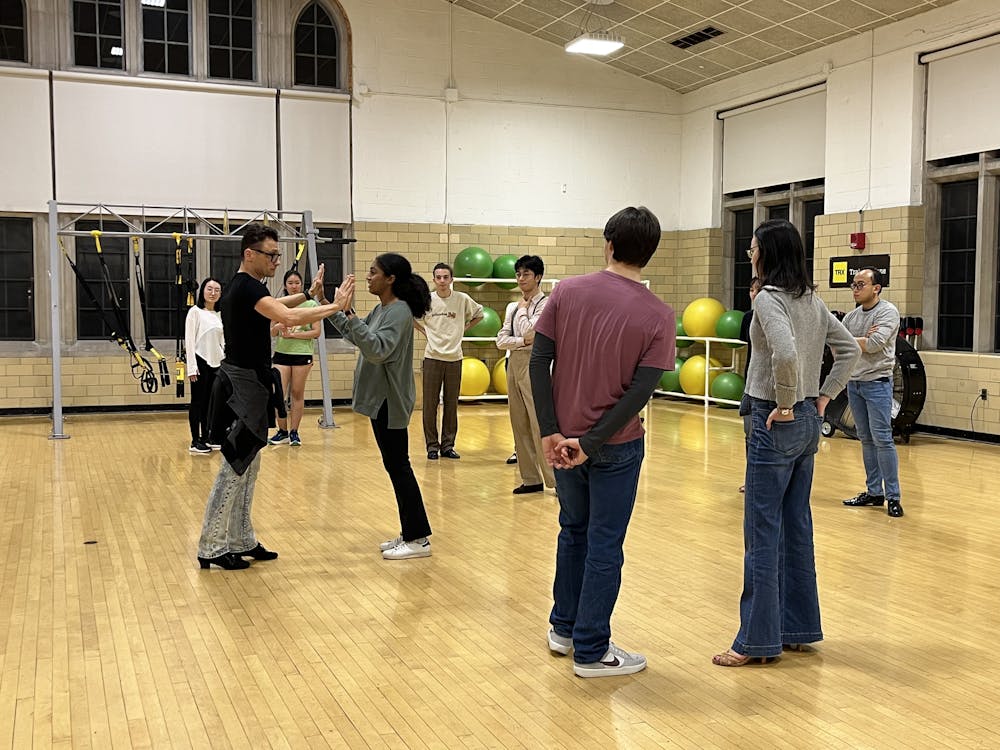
x=688 y=265
x=896 y=232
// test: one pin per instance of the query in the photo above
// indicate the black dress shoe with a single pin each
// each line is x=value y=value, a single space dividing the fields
x=512 y=459
x=432 y=455
x=229 y=561
x=864 y=498
x=260 y=552
x=895 y=509
x=450 y=453
x=524 y=489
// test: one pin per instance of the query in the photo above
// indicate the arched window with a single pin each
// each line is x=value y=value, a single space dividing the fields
x=12 y=38
x=97 y=34
x=317 y=48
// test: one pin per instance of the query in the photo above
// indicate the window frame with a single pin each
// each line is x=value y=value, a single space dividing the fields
x=124 y=37
x=761 y=200
x=191 y=44
x=985 y=168
x=32 y=305
x=25 y=37
x=343 y=48
x=257 y=55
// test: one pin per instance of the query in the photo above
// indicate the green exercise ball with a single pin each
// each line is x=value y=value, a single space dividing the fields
x=728 y=385
x=670 y=380
x=682 y=332
x=729 y=326
x=488 y=327
x=503 y=268
x=473 y=262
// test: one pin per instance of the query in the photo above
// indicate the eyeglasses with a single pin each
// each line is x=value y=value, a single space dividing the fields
x=858 y=285
x=274 y=257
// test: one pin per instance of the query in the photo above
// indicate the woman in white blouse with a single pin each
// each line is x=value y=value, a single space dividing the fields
x=205 y=347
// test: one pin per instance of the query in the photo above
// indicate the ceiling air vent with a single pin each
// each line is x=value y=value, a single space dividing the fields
x=696 y=38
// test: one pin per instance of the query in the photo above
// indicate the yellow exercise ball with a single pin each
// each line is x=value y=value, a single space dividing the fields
x=701 y=315
x=500 y=377
x=475 y=377
x=693 y=375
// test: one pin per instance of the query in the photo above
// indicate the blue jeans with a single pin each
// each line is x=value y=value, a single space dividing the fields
x=595 y=505
x=227 y=526
x=871 y=405
x=780 y=601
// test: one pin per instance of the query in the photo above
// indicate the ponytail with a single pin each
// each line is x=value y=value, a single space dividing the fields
x=406 y=285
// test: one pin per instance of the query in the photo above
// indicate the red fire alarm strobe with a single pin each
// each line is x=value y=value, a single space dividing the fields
x=857 y=240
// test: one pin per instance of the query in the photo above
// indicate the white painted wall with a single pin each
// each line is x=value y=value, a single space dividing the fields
x=25 y=153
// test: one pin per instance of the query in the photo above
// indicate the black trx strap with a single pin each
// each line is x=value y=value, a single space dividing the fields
x=113 y=325
x=179 y=350
x=161 y=361
x=298 y=255
x=141 y=369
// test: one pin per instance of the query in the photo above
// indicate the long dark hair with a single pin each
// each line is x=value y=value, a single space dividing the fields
x=406 y=285
x=781 y=259
x=201 y=292
x=288 y=274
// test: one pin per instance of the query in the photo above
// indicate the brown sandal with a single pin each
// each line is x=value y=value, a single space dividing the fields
x=730 y=658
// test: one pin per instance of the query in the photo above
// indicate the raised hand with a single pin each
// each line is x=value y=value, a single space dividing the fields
x=316 y=288
x=345 y=293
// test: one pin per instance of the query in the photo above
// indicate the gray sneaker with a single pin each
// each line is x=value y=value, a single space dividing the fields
x=614 y=663
x=559 y=644
x=390 y=543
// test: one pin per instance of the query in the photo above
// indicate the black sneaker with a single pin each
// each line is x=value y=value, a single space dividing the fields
x=864 y=498
x=895 y=509
x=278 y=438
x=199 y=447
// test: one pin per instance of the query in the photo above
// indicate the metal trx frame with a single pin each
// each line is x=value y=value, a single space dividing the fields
x=217 y=229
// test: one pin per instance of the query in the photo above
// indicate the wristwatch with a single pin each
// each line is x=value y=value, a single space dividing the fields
x=785 y=412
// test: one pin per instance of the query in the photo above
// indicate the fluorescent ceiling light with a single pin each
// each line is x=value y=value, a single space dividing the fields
x=117 y=51
x=596 y=43
x=154 y=3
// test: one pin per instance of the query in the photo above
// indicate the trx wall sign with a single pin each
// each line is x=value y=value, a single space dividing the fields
x=842 y=270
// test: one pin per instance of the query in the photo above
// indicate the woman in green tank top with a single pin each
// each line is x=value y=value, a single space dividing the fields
x=293 y=358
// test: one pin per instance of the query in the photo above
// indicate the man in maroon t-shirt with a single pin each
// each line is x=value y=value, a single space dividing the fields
x=600 y=347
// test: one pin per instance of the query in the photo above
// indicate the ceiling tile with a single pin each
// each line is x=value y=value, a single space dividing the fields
x=783 y=38
x=666 y=51
x=706 y=8
x=555 y=8
x=653 y=26
x=703 y=67
x=645 y=63
x=756 y=49
x=815 y=27
x=533 y=18
x=850 y=14
x=677 y=16
x=773 y=10
x=890 y=7
x=740 y=21
x=679 y=76
x=496 y=6
x=727 y=57
x=614 y=12
x=640 y=6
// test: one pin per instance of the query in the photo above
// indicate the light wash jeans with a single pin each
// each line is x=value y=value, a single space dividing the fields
x=227 y=526
x=780 y=601
x=871 y=405
x=595 y=505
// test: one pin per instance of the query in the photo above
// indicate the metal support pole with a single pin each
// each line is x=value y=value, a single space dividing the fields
x=326 y=421
x=56 y=323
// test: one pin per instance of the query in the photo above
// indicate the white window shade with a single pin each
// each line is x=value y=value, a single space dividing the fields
x=774 y=142
x=963 y=102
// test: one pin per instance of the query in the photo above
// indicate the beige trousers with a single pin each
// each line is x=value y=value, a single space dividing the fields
x=524 y=423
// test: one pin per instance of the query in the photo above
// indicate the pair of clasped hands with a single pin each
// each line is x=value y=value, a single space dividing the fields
x=562 y=452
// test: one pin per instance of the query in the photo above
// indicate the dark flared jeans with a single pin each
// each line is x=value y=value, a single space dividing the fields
x=394 y=445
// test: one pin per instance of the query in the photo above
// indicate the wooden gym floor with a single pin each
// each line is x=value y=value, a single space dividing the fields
x=125 y=642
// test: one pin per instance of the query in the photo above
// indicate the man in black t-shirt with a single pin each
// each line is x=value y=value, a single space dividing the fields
x=227 y=534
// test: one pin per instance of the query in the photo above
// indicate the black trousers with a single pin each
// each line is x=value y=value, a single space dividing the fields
x=394 y=447
x=201 y=392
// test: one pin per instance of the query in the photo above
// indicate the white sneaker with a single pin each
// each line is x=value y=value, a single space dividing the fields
x=559 y=644
x=405 y=550
x=390 y=543
x=614 y=663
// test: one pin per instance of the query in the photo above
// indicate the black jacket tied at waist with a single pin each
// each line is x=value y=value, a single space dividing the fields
x=241 y=410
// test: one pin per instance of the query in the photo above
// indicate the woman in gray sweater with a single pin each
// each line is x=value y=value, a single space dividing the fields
x=384 y=390
x=791 y=325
